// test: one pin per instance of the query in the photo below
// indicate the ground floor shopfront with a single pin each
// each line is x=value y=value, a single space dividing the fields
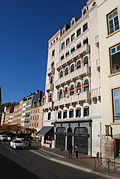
x=77 y=132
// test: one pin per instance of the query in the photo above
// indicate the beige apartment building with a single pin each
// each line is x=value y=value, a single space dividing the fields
x=36 y=117
x=109 y=37
x=73 y=85
x=17 y=114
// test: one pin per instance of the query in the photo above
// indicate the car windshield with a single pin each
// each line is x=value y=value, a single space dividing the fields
x=17 y=141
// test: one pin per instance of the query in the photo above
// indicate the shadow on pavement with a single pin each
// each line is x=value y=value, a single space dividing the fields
x=10 y=169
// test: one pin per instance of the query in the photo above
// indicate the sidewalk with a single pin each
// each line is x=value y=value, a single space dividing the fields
x=83 y=163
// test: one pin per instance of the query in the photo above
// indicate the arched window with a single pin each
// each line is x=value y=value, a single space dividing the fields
x=66 y=70
x=85 y=60
x=78 y=87
x=78 y=64
x=86 y=111
x=50 y=97
x=71 y=113
x=61 y=73
x=66 y=92
x=60 y=94
x=60 y=130
x=64 y=114
x=72 y=90
x=72 y=68
x=86 y=85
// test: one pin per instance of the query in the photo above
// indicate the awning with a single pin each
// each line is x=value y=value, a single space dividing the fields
x=44 y=130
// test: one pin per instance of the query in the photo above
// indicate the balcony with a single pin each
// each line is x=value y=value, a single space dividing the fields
x=97 y=41
x=75 y=55
x=50 y=71
x=79 y=73
x=48 y=105
x=98 y=64
x=72 y=99
x=49 y=87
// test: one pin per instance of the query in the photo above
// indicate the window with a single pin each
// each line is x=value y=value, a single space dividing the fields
x=71 y=113
x=50 y=97
x=67 y=41
x=78 y=112
x=64 y=114
x=85 y=60
x=86 y=85
x=73 y=49
x=52 y=65
x=63 y=45
x=85 y=27
x=79 y=45
x=53 y=53
x=59 y=115
x=66 y=92
x=78 y=87
x=66 y=70
x=49 y=116
x=72 y=68
x=84 y=11
x=72 y=37
x=60 y=94
x=116 y=104
x=113 y=21
x=61 y=73
x=115 y=59
x=62 y=57
x=85 y=41
x=72 y=90
x=67 y=54
x=78 y=32
x=78 y=64
x=86 y=111
x=51 y=80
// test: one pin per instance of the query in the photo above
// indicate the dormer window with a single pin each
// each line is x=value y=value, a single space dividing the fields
x=84 y=11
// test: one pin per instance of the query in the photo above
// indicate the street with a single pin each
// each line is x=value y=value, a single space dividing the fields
x=25 y=164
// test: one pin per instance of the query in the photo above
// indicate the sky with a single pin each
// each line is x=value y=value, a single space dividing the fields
x=25 y=28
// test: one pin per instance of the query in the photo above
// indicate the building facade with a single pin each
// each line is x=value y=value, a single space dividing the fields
x=73 y=84
x=17 y=114
x=109 y=35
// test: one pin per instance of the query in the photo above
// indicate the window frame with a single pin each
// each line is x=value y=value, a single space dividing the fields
x=113 y=107
x=72 y=37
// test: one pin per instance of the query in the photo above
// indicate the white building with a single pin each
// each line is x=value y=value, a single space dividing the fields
x=109 y=35
x=73 y=85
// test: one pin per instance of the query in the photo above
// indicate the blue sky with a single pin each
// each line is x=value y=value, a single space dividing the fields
x=25 y=28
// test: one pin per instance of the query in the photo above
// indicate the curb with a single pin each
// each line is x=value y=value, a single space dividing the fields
x=75 y=166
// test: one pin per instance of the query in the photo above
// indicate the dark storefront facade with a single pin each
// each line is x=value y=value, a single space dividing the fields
x=77 y=132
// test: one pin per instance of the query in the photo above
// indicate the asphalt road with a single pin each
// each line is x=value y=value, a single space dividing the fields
x=23 y=164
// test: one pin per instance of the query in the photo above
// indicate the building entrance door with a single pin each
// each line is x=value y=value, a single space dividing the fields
x=117 y=147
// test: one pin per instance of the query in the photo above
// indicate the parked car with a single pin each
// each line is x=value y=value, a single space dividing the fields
x=4 y=137
x=16 y=144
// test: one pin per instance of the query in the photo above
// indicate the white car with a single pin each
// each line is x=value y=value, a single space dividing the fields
x=16 y=144
x=4 y=137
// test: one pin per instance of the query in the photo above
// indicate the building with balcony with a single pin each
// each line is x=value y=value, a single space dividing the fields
x=73 y=85
x=109 y=37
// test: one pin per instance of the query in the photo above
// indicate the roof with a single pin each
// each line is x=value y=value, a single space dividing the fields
x=44 y=130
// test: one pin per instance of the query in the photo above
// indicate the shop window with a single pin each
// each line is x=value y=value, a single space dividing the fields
x=85 y=60
x=71 y=113
x=78 y=64
x=113 y=21
x=116 y=104
x=78 y=32
x=85 y=41
x=67 y=41
x=72 y=68
x=63 y=45
x=62 y=57
x=79 y=45
x=85 y=27
x=64 y=114
x=78 y=112
x=61 y=73
x=115 y=59
x=49 y=116
x=73 y=49
x=66 y=70
x=86 y=85
x=86 y=111
x=72 y=37
x=66 y=92
x=59 y=115
x=72 y=90
x=78 y=87
x=60 y=94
